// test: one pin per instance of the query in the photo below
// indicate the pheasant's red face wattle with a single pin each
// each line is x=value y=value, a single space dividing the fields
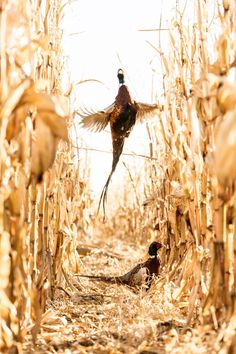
x=159 y=245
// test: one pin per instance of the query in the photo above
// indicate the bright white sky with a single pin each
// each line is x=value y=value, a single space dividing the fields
x=100 y=36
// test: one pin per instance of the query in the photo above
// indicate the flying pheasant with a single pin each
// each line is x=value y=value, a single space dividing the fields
x=122 y=116
x=141 y=274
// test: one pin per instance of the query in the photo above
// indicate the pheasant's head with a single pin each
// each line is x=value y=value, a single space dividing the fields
x=154 y=247
x=120 y=75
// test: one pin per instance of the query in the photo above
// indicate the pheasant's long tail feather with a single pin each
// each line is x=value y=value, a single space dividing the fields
x=103 y=197
x=117 y=150
x=101 y=278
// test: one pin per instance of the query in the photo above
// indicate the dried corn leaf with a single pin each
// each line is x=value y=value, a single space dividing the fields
x=226 y=96
x=177 y=190
x=206 y=87
x=5 y=247
x=205 y=91
x=224 y=161
x=226 y=4
x=16 y=198
x=222 y=47
x=9 y=105
x=6 y=308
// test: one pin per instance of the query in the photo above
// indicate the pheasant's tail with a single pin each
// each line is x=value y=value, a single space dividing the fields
x=103 y=196
x=101 y=278
x=117 y=150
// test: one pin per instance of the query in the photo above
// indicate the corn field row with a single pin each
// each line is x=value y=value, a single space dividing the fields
x=188 y=195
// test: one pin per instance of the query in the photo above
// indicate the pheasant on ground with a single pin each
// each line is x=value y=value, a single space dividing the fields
x=141 y=275
x=122 y=116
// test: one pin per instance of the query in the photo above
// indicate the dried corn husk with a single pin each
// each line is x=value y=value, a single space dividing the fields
x=38 y=120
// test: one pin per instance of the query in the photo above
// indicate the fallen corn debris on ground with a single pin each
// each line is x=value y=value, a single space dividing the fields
x=105 y=318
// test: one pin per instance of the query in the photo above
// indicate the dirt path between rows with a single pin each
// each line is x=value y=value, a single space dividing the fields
x=104 y=318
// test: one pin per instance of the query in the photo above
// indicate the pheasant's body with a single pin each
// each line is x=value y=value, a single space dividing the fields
x=122 y=120
x=142 y=274
x=122 y=116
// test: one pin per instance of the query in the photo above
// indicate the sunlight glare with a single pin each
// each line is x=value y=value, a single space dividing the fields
x=99 y=38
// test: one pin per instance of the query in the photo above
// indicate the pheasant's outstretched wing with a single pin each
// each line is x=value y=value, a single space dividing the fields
x=96 y=121
x=145 y=110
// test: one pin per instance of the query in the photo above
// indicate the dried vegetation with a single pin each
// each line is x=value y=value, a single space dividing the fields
x=188 y=200
x=39 y=205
